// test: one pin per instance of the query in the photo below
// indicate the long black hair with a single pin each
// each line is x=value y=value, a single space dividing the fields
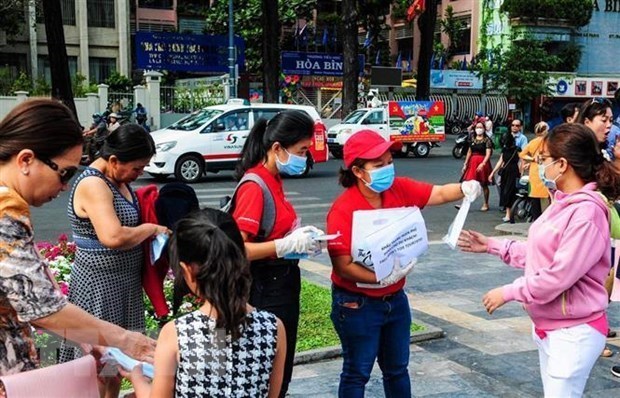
x=577 y=144
x=210 y=240
x=287 y=127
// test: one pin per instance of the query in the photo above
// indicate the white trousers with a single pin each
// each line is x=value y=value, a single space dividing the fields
x=566 y=358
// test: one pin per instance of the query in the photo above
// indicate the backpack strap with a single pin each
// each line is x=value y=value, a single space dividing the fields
x=268 y=217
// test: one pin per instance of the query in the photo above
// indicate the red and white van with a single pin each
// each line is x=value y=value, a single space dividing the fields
x=211 y=139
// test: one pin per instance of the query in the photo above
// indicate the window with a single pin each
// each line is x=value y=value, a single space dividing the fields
x=101 y=13
x=101 y=68
x=14 y=62
x=265 y=113
x=232 y=121
x=44 y=70
x=463 y=46
x=375 y=117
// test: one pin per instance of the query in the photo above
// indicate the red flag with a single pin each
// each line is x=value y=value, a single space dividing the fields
x=416 y=8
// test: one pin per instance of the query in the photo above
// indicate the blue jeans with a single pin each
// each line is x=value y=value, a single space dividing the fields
x=372 y=329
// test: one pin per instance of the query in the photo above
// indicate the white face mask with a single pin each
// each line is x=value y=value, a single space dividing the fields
x=479 y=131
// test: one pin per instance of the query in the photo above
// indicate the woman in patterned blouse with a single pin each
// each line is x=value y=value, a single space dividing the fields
x=40 y=149
x=226 y=348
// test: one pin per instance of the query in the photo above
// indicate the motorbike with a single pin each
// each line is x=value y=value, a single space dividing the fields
x=521 y=210
x=460 y=145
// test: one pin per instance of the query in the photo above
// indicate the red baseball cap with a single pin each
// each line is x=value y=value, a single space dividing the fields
x=367 y=144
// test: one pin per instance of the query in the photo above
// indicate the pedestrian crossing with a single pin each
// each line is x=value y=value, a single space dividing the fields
x=312 y=210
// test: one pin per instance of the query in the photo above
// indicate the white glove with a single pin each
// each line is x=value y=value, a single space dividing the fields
x=299 y=241
x=471 y=189
x=398 y=273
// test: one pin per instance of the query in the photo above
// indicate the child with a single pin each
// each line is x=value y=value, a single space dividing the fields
x=225 y=348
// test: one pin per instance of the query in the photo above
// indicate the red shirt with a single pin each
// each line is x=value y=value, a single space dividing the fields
x=249 y=206
x=405 y=192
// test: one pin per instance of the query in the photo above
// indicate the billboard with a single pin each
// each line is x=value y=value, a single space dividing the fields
x=600 y=39
x=416 y=121
x=186 y=52
x=455 y=79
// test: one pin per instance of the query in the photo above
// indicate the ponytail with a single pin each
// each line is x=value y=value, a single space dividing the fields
x=287 y=128
x=210 y=241
x=253 y=149
x=608 y=180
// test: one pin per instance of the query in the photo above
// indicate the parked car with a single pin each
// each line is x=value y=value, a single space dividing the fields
x=211 y=139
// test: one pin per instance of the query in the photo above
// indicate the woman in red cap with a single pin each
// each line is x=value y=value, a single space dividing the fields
x=373 y=319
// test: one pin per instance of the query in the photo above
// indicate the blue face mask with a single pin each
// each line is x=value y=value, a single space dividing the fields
x=550 y=184
x=295 y=165
x=381 y=179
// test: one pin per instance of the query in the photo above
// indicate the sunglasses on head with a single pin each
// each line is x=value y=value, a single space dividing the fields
x=600 y=101
x=65 y=174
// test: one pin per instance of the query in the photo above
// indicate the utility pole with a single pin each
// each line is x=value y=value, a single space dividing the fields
x=232 y=77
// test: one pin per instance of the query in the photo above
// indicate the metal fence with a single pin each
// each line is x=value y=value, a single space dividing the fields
x=188 y=99
x=125 y=99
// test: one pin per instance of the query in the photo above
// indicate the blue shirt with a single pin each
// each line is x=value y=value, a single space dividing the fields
x=614 y=134
x=521 y=140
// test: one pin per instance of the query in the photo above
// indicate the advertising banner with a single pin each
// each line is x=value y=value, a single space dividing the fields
x=455 y=79
x=314 y=64
x=412 y=121
x=186 y=52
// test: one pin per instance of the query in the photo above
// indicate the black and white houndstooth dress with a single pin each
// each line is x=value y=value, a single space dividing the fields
x=211 y=365
x=106 y=282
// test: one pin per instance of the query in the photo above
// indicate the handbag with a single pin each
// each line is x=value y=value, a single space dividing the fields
x=73 y=379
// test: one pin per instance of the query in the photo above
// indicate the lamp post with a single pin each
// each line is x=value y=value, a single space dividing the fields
x=232 y=78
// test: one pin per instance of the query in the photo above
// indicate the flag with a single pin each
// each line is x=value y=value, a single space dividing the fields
x=296 y=34
x=366 y=40
x=442 y=61
x=433 y=61
x=399 y=61
x=409 y=67
x=464 y=64
x=416 y=8
x=325 y=37
x=303 y=36
x=378 y=58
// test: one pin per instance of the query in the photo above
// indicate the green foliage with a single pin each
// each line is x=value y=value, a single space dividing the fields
x=453 y=28
x=22 y=83
x=119 y=83
x=521 y=72
x=399 y=9
x=569 y=56
x=198 y=97
x=247 y=23
x=41 y=87
x=12 y=16
x=575 y=12
x=80 y=89
x=6 y=81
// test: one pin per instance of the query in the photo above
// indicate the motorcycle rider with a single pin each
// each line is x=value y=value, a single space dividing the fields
x=141 y=116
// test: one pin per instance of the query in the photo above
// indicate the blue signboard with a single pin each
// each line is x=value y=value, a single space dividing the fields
x=314 y=64
x=599 y=40
x=455 y=79
x=186 y=52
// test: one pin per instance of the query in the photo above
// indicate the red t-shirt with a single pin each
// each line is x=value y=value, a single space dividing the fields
x=405 y=192
x=249 y=206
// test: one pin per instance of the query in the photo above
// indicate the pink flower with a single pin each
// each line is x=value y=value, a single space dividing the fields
x=287 y=79
x=295 y=79
x=64 y=287
x=63 y=238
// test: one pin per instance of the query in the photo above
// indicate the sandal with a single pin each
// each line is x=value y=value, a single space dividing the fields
x=484 y=208
x=607 y=353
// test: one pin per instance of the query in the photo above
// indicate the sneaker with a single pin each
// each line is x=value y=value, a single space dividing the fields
x=506 y=219
x=615 y=370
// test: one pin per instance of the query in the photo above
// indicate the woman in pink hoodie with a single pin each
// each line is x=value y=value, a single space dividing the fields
x=565 y=260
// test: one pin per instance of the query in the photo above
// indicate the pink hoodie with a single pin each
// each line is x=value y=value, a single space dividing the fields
x=566 y=259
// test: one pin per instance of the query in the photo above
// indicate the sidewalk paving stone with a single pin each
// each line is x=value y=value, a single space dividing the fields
x=480 y=355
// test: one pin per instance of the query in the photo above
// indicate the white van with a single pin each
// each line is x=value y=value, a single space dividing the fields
x=211 y=139
x=417 y=124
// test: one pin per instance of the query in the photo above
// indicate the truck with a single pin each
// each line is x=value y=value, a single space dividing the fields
x=417 y=124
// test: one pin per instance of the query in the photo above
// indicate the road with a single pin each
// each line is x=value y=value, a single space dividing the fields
x=312 y=196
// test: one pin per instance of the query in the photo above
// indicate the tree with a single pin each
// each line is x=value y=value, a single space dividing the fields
x=349 y=51
x=249 y=23
x=453 y=28
x=426 y=23
x=12 y=15
x=59 y=63
x=271 y=50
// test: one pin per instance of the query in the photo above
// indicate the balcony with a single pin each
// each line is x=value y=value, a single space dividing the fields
x=156 y=15
x=542 y=29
